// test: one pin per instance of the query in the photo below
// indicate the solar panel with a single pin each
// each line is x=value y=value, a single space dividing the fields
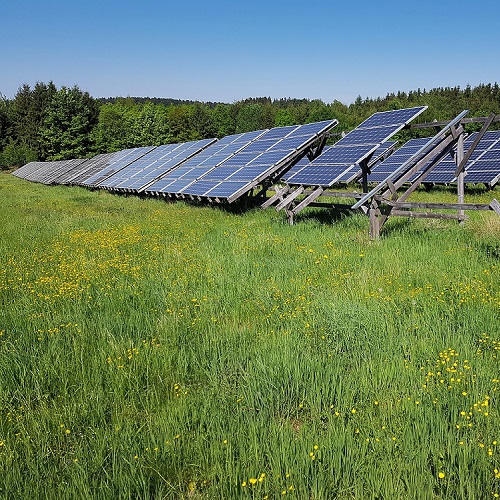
x=482 y=166
x=258 y=165
x=145 y=170
x=476 y=177
x=383 y=169
x=116 y=165
x=380 y=153
x=28 y=169
x=70 y=172
x=56 y=169
x=214 y=155
x=49 y=170
x=383 y=118
x=95 y=165
x=340 y=163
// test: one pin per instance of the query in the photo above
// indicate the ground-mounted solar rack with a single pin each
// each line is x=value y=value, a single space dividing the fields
x=243 y=166
x=347 y=160
x=384 y=201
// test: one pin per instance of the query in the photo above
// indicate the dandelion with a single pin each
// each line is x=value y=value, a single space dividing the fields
x=441 y=475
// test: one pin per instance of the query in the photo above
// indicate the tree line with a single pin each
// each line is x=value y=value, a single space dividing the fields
x=46 y=123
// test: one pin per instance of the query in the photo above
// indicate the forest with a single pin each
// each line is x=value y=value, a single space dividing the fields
x=43 y=122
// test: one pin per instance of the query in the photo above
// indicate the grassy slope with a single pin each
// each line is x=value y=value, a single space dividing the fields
x=155 y=350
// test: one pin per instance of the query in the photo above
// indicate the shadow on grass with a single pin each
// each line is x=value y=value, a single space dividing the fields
x=325 y=216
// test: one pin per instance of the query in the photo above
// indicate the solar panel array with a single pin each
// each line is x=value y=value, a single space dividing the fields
x=116 y=165
x=47 y=172
x=482 y=167
x=390 y=164
x=484 y=164
x=228 y=168
x=27 y=170
x=142 y=172
x=221 y=169
x=176 y=181
x=234 y=165
x=94 y=166
x=341 y=162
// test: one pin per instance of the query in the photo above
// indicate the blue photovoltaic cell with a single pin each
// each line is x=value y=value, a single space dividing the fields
x=289 y=143
x=222 y=172
x=138 y=165
x=354 y=148
x=248 y=173
x=320 y=175
x=393 y=162
x=213 y=156
x=117 y=165
x=392 y=117
x=243 y=162
x=226 y=189
x=200 y=188
x=346 y=155
x=174 y=186
x=293 y=141
x=484 y=165
x=492 y=154
x=279 y=132
x=373 y=136
x=260 y=145
x=241 y=159
x=482 y=177
x=92 y=166
x=299 y=166
x=270 y=157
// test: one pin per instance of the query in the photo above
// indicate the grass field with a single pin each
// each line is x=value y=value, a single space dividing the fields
x=154 y=350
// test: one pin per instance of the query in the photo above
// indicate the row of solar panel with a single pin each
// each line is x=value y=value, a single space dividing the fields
x=226 y=168
x=233 y=165
x=482 y=167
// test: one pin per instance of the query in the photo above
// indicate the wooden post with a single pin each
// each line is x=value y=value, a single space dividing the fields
x=374 y=221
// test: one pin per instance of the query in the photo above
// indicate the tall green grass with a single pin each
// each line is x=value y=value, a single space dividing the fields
x=162 y=350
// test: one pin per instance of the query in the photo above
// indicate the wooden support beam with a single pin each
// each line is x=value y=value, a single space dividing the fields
x=495 y=206
x=465 y=159
x=437 y=206
x=374 y=214
x=364 y=175
x=339 y=194
x=291 y=196
x=425 y=215
x=442 y=148
x=278 y=195
x=479 y=119
x=308 y=199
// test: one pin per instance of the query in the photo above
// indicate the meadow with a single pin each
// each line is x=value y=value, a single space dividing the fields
x=161 y=350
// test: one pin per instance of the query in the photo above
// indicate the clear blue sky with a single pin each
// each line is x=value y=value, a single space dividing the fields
x=226 y=51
